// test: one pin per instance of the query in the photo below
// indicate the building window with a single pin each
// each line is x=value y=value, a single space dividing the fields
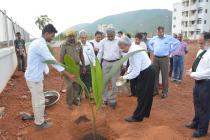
x=200 y=11
x=206 y=11
x=174 y=26
x=193 y=22
x=174 y=18
x=200 y=0
x=207 y=0
x=205 y=21
x=175 y=10
x=198 y=31
x=199 y=21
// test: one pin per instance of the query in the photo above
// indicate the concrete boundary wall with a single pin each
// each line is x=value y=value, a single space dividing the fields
x=8 y=64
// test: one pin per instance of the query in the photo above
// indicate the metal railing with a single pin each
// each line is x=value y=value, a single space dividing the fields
x=8 y=28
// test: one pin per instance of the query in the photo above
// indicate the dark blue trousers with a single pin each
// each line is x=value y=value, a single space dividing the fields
x=201 y=96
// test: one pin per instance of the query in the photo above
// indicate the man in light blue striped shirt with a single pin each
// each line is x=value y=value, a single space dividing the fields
x=162 y=46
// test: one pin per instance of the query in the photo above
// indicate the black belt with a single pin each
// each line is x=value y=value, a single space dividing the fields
x=161 y=56
x=111 y=61
x=202 y=81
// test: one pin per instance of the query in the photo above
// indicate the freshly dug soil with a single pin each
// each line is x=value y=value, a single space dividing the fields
x=92 y=136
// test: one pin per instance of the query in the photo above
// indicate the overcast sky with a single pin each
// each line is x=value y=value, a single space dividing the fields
x=66 y=13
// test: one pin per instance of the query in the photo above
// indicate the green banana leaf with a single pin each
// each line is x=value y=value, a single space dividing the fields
x=97 y=83
x=117 y=65
x=72 y=67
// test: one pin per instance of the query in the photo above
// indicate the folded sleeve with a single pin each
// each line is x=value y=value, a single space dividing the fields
x=45 y=53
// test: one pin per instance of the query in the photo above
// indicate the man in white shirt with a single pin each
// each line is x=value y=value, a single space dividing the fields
x=108 y=54
x=139 y=41
x=37 y=53
x=96 y=42
x=142 y=45
x=200 y=72
x=89 y=57
x=140 y=68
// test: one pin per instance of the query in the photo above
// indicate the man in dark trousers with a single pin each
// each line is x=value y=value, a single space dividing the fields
x=141 y=68
x=162 y=46
x=20 y=51
x=200 y=72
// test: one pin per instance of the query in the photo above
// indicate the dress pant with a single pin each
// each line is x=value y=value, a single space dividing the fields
x=161 y=64
x=133 y=86
x=112 y=97
x=21 y=61
x=86 y=78
x=73 y=91
x=38 y=101
x=201 y=97
x=144 y=92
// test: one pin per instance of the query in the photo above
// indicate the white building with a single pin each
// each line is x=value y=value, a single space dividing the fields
x=195 y=17
x=104 y=27
x=177 y=18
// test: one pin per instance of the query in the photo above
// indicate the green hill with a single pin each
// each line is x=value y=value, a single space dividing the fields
x=134 y=21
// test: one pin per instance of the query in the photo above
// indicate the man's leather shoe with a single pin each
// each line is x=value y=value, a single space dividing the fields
x=198 y=134
x=164 y=96
x=191 y=126
x=131 y=119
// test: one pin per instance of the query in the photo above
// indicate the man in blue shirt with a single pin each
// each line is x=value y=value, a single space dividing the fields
x=162 y=45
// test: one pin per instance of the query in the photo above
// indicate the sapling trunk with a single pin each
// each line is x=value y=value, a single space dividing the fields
x=92 y=110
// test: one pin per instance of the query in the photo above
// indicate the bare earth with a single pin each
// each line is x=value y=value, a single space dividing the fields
x=166 y=122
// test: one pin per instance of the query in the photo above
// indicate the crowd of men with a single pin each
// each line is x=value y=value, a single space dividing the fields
x=168 y=53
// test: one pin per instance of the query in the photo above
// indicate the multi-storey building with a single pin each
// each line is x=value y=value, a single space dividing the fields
x=195 y=17
x=177 y=18
x=104 y=27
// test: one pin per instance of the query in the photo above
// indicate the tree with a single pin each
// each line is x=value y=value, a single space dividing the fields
x=42 y=21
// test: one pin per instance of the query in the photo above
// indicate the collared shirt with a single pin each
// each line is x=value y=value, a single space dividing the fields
x=203 y=69
x=19 y=43
x=72 y=49
x=181 y=50
x=96 y=44
x=142 y=45
x=138 y=62
x=37 y=53
x=163 y=46
x=109 y=50
x=88 y=53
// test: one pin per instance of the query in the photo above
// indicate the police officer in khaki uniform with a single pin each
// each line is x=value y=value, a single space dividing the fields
x=74 y=49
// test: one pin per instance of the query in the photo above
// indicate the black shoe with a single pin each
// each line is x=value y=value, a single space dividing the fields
x=164 y=96
x=44 y=125
x=113 y=105
x=191 y=126
x=105 y=104
x=131 y=119
x=198 y=134
x=77 y=101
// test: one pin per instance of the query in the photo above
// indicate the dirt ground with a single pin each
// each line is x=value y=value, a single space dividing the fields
x=166 y=122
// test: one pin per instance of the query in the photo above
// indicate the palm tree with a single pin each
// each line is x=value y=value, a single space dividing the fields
x=42 y=20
